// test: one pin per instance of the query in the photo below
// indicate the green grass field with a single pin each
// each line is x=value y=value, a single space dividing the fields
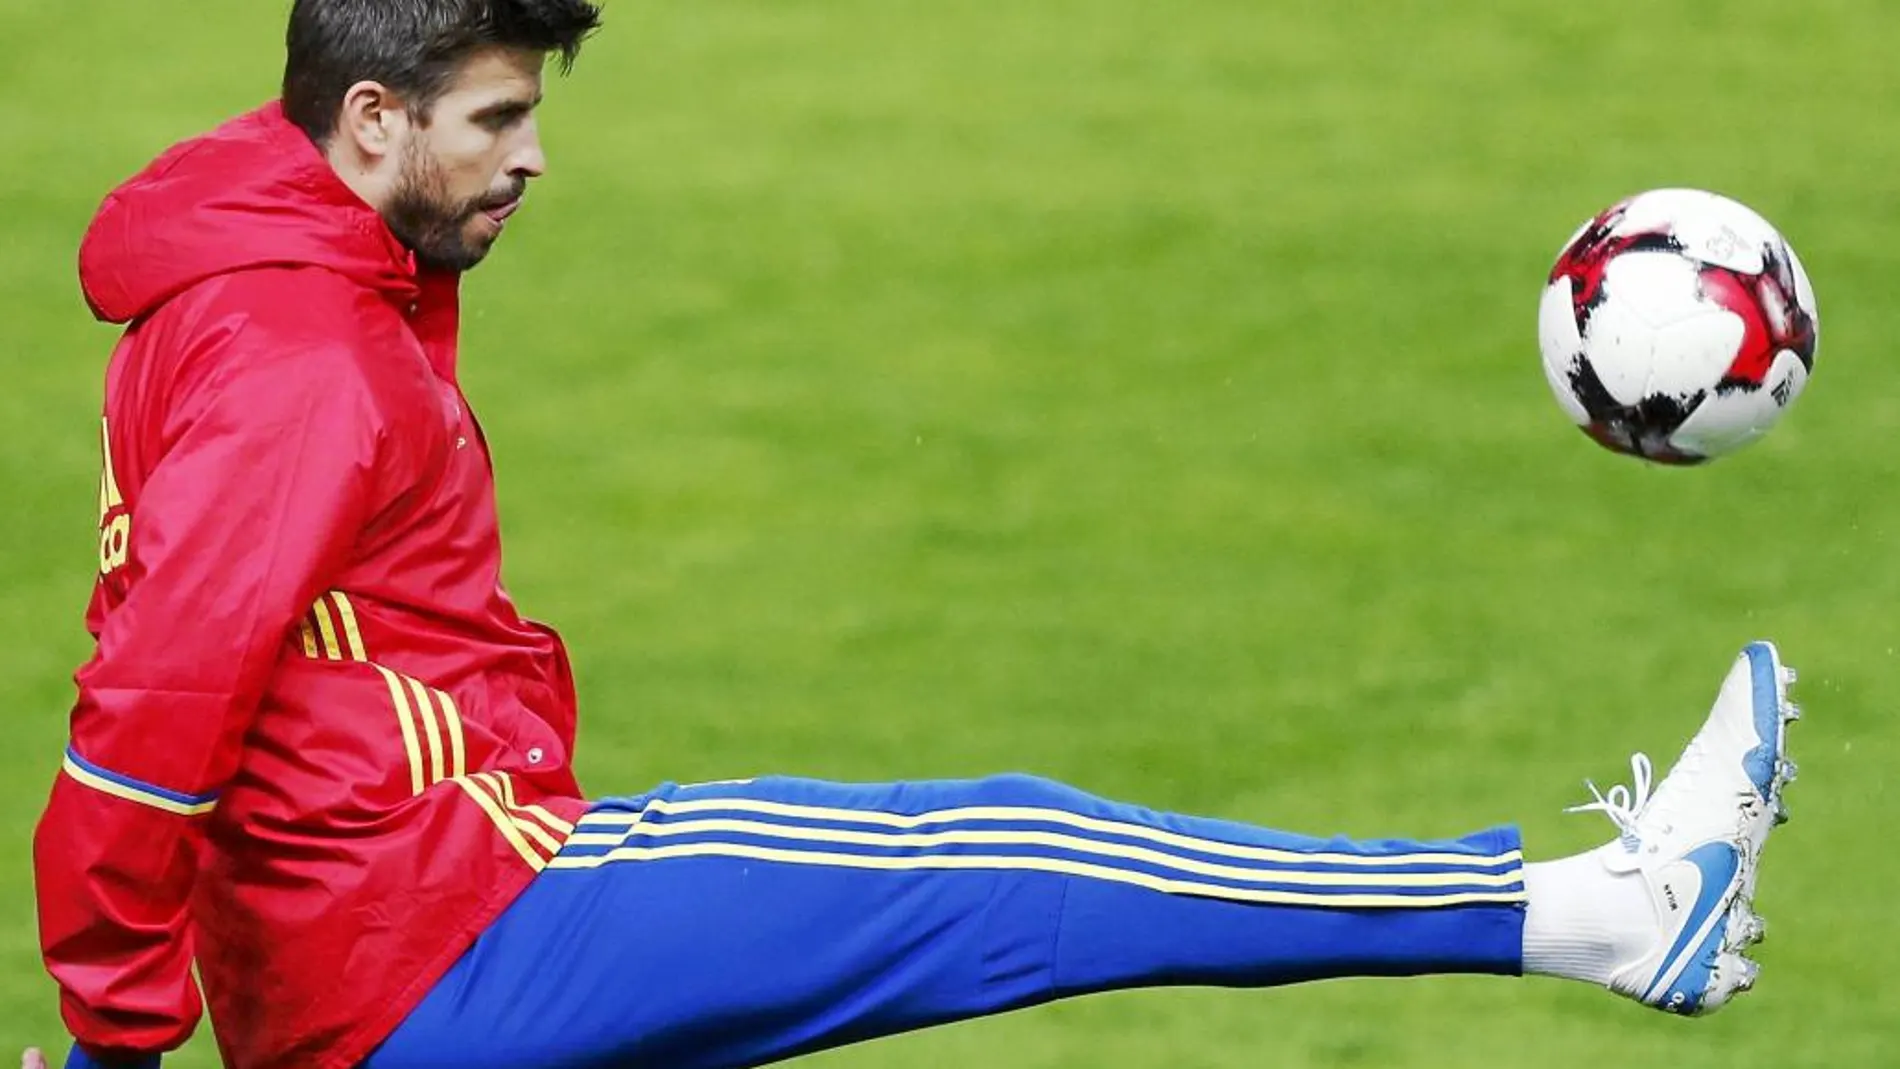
x=1140 y=394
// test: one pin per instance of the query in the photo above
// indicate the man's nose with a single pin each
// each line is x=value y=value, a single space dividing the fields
x=528 y=161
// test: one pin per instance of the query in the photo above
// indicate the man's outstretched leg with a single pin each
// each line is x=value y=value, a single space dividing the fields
x=733 y=924
x=740 y=923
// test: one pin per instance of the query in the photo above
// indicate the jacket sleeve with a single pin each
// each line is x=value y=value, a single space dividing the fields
x=259 y=475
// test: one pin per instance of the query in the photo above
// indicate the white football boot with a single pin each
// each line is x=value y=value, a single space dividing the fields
x=1697 y=840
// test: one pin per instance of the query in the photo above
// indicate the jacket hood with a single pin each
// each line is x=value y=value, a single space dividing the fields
x=254 y=192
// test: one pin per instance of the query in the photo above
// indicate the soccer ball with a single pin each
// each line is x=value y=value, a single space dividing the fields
x=1677 y=326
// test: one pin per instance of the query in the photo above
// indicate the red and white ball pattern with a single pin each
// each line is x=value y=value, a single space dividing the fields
x=1677 y=326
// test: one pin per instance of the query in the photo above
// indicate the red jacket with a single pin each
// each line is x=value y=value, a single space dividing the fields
x=316 y=748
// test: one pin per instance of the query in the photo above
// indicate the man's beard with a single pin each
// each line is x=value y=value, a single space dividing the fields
x=433 y=227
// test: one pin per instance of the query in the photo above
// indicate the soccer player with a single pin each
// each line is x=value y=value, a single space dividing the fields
x=318 y=754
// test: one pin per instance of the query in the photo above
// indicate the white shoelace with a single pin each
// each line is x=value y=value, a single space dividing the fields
x=1622 y=805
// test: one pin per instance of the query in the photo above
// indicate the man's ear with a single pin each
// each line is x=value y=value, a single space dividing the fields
x=371 y=119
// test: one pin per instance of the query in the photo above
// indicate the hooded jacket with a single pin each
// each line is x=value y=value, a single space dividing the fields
x=315 y=750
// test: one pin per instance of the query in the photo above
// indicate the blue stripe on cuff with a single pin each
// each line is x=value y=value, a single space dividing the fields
x=191 y=801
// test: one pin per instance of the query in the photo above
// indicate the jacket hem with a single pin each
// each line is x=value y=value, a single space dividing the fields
x=361 y=1043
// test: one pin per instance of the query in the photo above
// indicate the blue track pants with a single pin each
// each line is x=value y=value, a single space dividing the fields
x=735 y=924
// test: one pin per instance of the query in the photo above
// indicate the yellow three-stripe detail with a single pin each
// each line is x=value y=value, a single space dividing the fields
x=495 y=793
x=435 y=745
x=452 y=721
x=1035 y=814
x=552 y=821
x=432 y=734
x=329 y=631
x=506 y=792
x=1060 y=866
x=1055 y=841
x=505 y=824
x=346 y=614
x=427 y=709
x=406 y=719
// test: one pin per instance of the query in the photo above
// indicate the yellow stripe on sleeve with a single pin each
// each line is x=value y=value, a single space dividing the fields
x=309 y=635
x=132 y=794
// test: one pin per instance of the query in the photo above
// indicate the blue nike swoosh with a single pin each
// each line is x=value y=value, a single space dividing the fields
x=1761 y=761
x=1718 y=862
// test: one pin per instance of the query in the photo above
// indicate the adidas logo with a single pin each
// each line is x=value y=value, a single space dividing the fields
x=115 y=524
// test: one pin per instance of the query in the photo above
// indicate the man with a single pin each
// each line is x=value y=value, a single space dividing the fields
x=319 y=755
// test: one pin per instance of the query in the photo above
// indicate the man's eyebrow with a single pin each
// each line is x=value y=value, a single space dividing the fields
x=509 y=106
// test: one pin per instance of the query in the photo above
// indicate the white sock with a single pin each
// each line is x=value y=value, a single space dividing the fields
x=1584 y=921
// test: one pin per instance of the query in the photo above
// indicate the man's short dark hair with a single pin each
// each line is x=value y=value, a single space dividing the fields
x=414 y=47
